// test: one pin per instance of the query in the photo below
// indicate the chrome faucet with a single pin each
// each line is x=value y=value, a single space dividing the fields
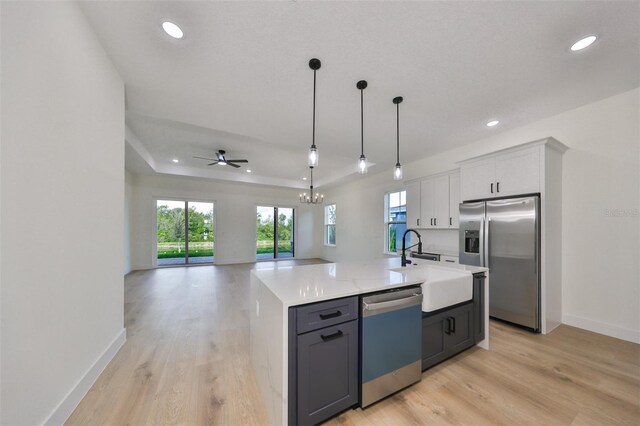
x=403 y=258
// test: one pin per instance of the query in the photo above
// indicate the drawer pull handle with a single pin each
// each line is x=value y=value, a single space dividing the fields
x=448 y=330
x=331 y=315
x=331 y=336
x=453 y=320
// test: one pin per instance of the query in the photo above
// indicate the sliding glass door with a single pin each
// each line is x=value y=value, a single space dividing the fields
x=184 y=232
x=274 y=232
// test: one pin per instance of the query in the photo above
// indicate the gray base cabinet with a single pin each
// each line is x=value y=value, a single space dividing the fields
x=446 y=333
x=478 y=307
x=323 y=360
x=450 y=331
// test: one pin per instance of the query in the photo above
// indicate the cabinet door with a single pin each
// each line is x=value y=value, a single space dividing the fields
x=454 y=200
x=413 y=205
x=518 y=172
x=427 y=207
x=459 y=330
x=478 y=308
x=441 y=202
x=433 y=340
x=327 y=372
x=477 y=179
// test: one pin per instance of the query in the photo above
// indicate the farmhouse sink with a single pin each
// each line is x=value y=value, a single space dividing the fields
x=442 y=287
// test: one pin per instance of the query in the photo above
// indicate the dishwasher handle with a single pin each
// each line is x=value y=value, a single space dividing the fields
x=414 y=299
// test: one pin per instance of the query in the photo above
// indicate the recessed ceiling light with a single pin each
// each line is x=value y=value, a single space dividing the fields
x=175 y=160
x=172 y=29
x=583 y=42
x=248 y=170
x=492 y=123
x=304 y=178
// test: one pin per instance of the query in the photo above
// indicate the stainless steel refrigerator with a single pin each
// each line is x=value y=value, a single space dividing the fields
x=504 y=236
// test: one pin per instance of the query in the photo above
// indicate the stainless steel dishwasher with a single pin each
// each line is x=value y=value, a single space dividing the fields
x=391 y=345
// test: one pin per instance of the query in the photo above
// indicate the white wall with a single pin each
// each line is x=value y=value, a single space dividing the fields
x=234 y=211
x=62 y=209
x=128 y=214
x=360 y=233
x=601 y=172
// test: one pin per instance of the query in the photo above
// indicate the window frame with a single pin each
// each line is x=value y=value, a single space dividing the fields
x=387 y=222
x=326 y=225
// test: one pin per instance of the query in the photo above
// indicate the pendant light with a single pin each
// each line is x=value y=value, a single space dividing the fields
x=311 y=198
x=362 y=162
x=314 y=64
x=397 y=172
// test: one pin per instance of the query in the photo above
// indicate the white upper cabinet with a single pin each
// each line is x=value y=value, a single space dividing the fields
x=413 y=204
x=454 y=200
x=511 y=173
x=432 y=203
x=518 y=172
x=477 y=179
x=427 y=201
x=441 y=202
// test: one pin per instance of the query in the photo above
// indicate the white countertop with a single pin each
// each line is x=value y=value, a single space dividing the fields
x=298 y=285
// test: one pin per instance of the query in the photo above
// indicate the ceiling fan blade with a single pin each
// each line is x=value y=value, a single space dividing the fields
x=237 y=161
x=211 y=164
x=232 y=165
x=204 y=158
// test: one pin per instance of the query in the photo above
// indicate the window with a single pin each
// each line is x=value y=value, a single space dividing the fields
x=184 y=232
x=274 y=238
x=330 y=225
x=395 y=219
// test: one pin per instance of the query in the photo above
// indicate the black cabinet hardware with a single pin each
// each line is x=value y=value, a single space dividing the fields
x=435 y=221
x=492 y=187
x=331 y=315
x=498 y=186
x=451 y=261
x=448 y=330
x=417 y=222
x=450 y=221
x=331 y=336
x=453 y=322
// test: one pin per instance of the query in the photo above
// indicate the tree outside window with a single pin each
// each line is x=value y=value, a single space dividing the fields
x=395 y=217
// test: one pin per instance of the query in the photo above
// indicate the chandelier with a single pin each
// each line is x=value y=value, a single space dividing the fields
x=311 y=197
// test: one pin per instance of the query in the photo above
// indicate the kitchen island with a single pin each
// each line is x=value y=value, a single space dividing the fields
x=274 y=291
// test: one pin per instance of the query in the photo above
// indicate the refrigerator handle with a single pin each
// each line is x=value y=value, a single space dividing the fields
x=486 y=242
x=482 y=236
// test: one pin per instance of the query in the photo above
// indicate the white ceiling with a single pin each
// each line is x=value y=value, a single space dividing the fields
x=239 y=79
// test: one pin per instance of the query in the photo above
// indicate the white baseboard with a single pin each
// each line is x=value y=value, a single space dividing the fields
x=73 y=398
x=602 y=328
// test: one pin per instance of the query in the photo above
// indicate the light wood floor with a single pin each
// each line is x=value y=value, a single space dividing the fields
x=186 y=361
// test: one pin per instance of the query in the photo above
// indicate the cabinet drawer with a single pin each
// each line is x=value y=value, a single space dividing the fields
x=323 y=314
x=449 y=259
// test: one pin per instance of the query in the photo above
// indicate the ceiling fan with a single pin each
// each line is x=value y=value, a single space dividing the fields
x=222 y=160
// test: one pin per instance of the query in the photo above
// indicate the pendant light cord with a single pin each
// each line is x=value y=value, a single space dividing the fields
x=362 y=122
x=313 y=136
x=398 y=133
